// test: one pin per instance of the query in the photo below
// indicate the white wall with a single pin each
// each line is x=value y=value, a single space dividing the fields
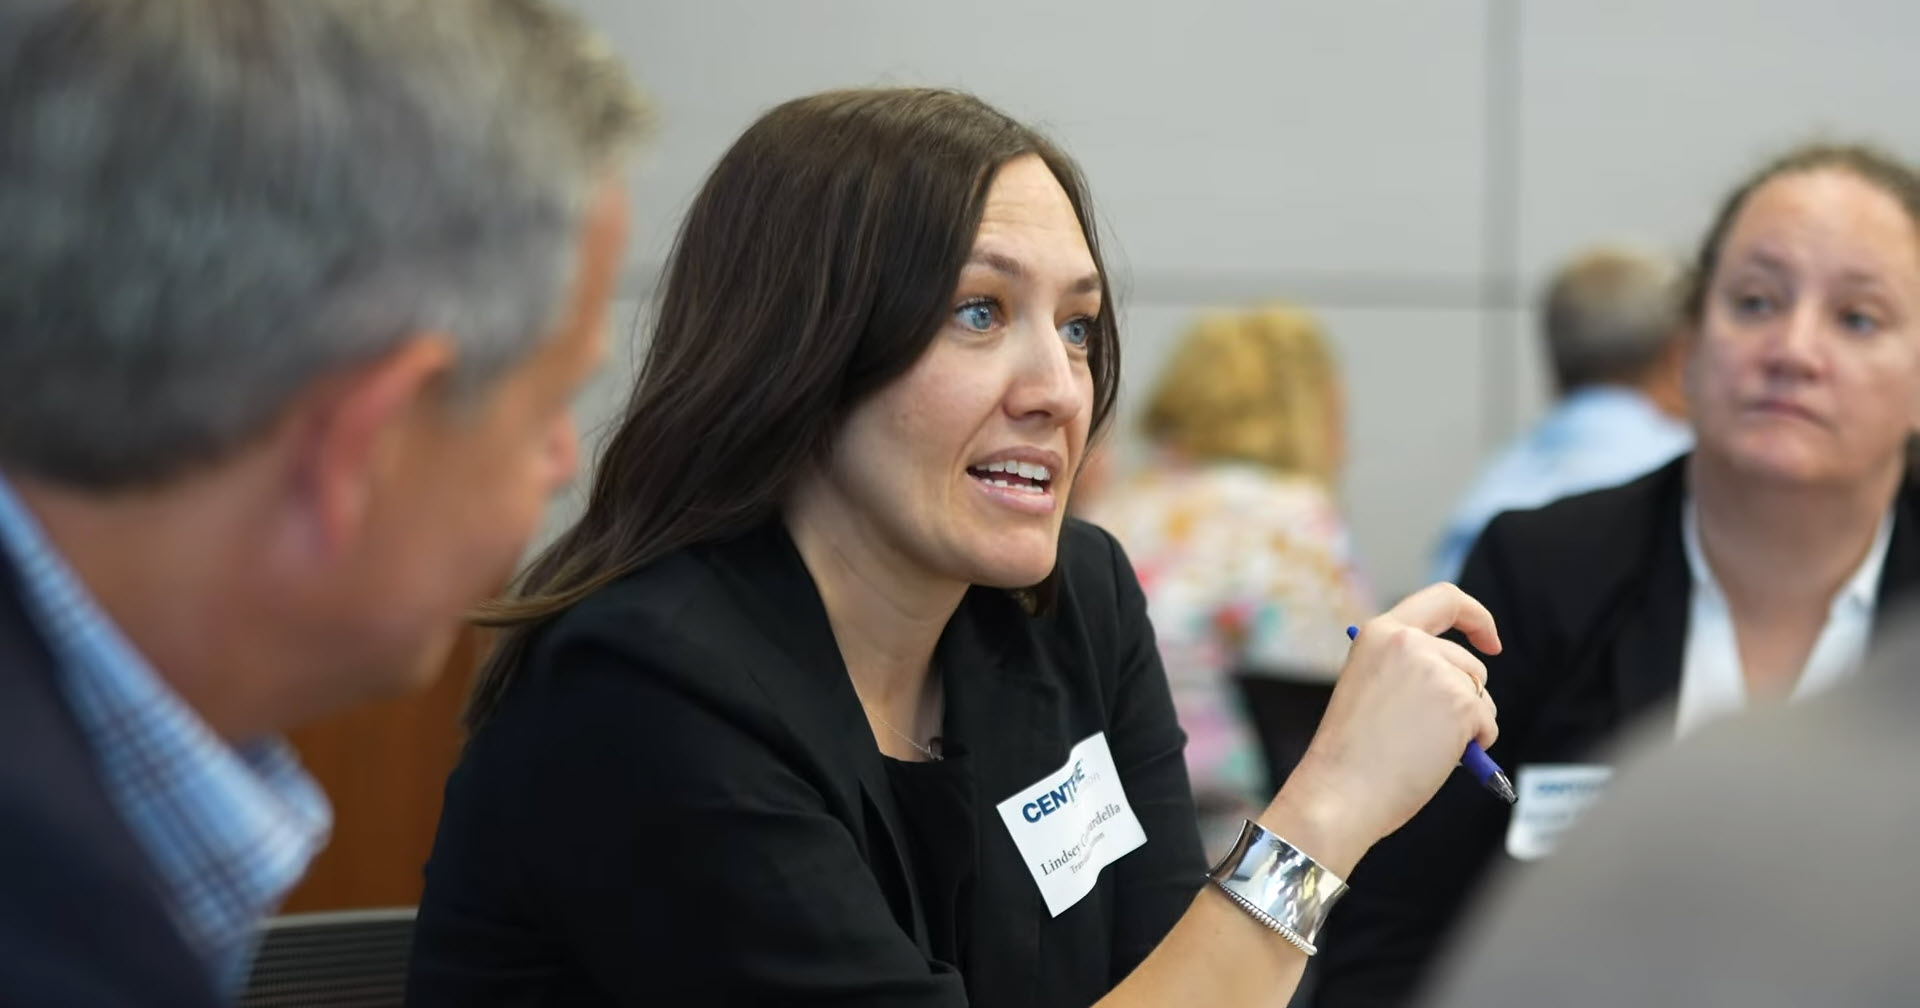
x=1401 y=166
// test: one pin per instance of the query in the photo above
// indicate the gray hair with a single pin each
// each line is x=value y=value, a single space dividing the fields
x=1610 y=315
x=205 y=205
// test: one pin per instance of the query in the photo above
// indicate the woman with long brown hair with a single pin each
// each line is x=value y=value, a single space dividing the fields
x=823 y=700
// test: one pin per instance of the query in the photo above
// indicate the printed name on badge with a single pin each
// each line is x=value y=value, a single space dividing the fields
x=1072 y=823
x=1553 y=796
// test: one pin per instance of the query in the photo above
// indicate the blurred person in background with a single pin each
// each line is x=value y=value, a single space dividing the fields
x=1237 y=539
x=823 y=700
x=294 y=298
x=1766 y=861
x=1611 y=325
x=1753 y=571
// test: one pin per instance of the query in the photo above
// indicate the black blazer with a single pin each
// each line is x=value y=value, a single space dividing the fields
x=82 y=920
x=1591 y=595
x=680 y=801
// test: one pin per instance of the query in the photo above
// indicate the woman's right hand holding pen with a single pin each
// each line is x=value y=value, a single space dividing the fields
x=1406 y=704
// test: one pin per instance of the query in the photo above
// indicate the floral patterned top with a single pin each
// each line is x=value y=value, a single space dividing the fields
x=1243 y=568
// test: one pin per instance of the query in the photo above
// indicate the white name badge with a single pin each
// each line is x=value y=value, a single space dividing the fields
x=1073 y=822
x=1553 y=796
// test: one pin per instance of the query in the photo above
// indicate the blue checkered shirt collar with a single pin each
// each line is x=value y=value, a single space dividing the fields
x=230 y=829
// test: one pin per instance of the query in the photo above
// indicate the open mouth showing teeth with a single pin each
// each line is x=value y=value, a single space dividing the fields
x=1025 y=477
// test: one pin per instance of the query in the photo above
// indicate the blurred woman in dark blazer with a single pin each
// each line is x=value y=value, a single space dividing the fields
x=822 y=701
x=1753 y=571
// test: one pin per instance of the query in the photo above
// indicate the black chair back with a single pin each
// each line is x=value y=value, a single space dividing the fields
x=1285 y=713
x=353 y=959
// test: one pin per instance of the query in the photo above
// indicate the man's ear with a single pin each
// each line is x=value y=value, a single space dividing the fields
x=357 y=424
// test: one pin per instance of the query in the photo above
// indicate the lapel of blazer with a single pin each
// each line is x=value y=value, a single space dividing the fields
x=1900 y=576
x=764 y=570
x=1652 y=608
x=996 y=706
x=1001 y=710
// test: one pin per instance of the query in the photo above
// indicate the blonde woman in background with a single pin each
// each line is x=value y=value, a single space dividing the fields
x=1237 y=538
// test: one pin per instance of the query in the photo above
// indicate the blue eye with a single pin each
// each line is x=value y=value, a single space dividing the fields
x=978 y=316
x=1859 y=323
x=1078 y=332
x=1752 y=305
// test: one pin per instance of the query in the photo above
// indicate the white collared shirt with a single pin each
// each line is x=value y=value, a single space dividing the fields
x=1712 y=683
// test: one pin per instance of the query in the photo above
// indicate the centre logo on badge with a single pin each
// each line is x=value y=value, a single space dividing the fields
x=1051 y=802
x=1072 y=823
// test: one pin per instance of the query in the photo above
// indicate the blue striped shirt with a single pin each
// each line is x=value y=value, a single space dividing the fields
x=230 y=829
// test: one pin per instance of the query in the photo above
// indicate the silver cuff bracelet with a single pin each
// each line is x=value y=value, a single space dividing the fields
x=1279 y=885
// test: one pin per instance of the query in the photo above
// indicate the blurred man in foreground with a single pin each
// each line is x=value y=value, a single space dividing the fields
x=294 y=297
x=1767 y=861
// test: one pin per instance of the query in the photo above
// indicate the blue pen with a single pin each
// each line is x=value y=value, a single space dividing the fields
x=1476 y=760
